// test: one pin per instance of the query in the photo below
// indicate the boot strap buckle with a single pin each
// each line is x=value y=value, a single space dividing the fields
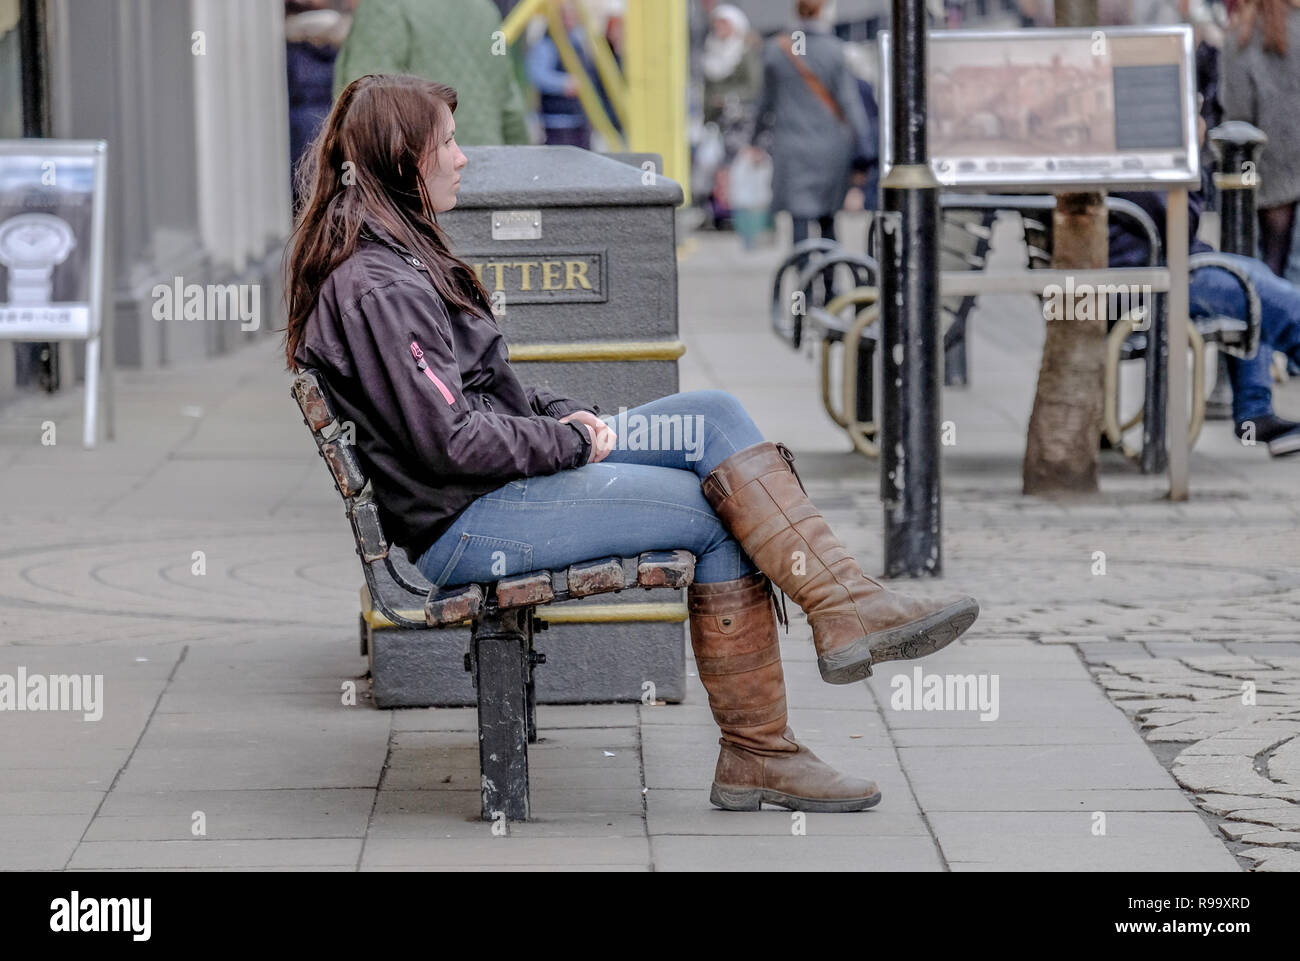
x=788 y=456
x=782 y=616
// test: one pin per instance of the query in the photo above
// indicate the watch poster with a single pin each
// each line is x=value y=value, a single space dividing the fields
x=47 y=242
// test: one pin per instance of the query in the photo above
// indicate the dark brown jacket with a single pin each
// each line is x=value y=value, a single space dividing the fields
x=439 y=416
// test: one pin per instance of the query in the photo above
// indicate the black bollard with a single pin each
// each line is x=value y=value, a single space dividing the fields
x=910 y=332
x=1236 y=145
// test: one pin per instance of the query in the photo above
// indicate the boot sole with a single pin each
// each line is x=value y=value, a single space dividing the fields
x=905 y=642
x=752 y=799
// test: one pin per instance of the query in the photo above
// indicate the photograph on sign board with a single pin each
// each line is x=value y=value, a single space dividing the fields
x=1037 y=96
x=46 y=216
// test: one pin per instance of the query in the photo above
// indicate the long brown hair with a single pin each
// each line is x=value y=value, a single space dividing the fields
x=1269 y=15
x=365 y=165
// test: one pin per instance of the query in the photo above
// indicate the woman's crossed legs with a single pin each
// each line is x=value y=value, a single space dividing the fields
x=645 y=496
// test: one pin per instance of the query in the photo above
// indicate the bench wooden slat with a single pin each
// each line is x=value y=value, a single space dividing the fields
x=665 y=569
x=343 y=464
x=453 y=607
x=313 y=403
x=525 y=591
x=596 y=577
x=371 y=545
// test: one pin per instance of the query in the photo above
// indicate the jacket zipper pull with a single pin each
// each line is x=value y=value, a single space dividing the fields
x=423 y=365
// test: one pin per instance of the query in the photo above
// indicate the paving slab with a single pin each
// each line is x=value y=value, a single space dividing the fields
x=503 y=850
x=783 y=851
x=1050 y=841
x=304 y=853
x=35 y=854
x=233 y=815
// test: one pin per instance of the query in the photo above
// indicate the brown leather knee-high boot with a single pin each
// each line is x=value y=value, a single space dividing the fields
x=733 y=633
x=855 y=620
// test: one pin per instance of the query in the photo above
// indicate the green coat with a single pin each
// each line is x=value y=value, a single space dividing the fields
x=449 y=41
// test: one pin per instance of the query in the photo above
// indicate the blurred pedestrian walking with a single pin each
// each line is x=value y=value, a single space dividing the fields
x=866 y=166
x=313 y=32
x=731 y=70
x=562 y=113
x=811 y=113
x=730 y=63
x=1261 y=85
x=448 y=41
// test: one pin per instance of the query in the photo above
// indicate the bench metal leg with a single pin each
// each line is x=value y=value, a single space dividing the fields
x=1219 y=404
x=530 y=689
x=531 y=695
x=501 y=641
x=954 y=356
x=1155 y=454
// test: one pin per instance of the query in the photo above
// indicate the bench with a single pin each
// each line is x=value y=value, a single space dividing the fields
x=1128 y=337
x=965 y=237
x=501 y=614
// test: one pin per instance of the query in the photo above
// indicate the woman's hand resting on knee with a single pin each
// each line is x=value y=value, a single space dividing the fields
x=602 y=435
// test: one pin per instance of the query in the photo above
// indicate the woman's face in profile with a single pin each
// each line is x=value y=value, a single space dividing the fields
x=441 y=168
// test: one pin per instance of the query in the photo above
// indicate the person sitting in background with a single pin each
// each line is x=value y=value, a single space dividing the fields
x=1214 y=292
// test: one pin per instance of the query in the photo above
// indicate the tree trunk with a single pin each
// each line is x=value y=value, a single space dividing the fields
x=1065 y=426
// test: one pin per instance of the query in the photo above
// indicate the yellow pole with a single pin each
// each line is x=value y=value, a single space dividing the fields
x=516 y=22
x=656 y=64
x=606 y=64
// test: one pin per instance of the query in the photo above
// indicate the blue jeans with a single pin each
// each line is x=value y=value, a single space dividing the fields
x=635 y=500
x=1215 y=292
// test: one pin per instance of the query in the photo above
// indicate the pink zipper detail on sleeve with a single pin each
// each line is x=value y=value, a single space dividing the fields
x=418 y=354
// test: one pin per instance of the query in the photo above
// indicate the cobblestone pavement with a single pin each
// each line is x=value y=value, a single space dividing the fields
x=1121 y=627
x=1235 y=723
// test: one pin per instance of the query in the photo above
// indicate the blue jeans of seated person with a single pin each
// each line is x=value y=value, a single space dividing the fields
x=1215 y=292
x=633 y=501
